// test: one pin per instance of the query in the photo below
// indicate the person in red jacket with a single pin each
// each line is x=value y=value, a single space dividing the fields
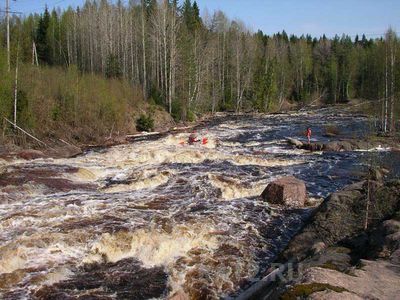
x=308 y=133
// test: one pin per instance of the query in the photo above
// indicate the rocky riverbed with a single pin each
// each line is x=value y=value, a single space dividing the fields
x=157 y=217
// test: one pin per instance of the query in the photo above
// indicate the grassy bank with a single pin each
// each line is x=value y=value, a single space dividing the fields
x=55 y=103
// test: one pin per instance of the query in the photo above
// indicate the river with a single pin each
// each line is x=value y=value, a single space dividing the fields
x=155 y=217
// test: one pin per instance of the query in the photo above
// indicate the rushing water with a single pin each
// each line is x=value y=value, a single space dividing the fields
x=152 y=218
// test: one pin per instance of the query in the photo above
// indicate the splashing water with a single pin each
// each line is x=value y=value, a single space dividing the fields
x=152 y=218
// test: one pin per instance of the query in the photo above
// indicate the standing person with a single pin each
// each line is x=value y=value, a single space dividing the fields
x=308 y=133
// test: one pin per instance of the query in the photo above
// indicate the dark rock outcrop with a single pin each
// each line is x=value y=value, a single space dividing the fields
x=343 y=214
x=288 y=191
x=125 y=279
x=333 y=146
x=336 y=257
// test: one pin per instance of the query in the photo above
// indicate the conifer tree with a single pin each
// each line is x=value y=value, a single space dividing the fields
x=42 y=45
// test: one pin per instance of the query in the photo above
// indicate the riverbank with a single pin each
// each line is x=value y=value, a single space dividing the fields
x=350 y=248
x=72 y=145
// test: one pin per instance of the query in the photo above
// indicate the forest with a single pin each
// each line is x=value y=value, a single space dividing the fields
x=92 y=68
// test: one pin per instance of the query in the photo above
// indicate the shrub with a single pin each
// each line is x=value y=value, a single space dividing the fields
x=113 y=67
x=176 y=110
x=191 y=117
x=145 y=123
x=156 y=96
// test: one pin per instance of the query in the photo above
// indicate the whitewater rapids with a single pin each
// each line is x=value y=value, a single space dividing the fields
x=155 y=218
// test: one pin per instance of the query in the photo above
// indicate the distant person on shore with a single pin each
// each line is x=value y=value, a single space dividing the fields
x=308 y=133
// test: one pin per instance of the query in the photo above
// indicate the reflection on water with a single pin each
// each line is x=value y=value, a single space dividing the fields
x=152 y=218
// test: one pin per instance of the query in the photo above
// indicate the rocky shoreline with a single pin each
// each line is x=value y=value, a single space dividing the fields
x=349 y=249
x=344 y=145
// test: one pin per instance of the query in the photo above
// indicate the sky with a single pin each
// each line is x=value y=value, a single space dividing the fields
x=315 y=17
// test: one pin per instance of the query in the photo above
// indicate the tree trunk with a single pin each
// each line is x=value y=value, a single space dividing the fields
x=16 y=89
x=392 y=91
x=144 y=51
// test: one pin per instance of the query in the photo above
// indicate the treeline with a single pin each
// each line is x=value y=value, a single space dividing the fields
x=191 y=64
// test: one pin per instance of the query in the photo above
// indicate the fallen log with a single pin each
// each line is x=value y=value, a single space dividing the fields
x=27 y=133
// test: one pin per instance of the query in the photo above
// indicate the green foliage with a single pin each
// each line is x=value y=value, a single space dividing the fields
x=204 y=66
x=55 y=113
x=156 y=96
x=24 y=117
x=176 y=110
x=191 y=15
x=64 y=102
x=191 y=117
x=6 y=92
x=265 y=86
x=145 y=123
x=42 y=45
x=113 y=68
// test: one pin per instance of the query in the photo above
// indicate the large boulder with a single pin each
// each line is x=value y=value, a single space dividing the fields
x=288 y=191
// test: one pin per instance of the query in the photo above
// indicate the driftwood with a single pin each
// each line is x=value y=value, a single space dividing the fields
x=66 y=143
x=27 y=133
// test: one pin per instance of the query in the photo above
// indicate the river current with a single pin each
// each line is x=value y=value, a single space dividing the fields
x=158 y=217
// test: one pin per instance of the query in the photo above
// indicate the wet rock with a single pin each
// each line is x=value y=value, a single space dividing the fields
x=295 y=142
x=288 y=191
x=316 y=147
x=360 y=144
x=332 y=146
x=337 y=146
x=30 y=154
x=125 y=279
x=49 y=176
x=312 y=147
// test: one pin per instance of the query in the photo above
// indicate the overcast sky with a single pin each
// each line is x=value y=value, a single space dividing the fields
x=316 y=17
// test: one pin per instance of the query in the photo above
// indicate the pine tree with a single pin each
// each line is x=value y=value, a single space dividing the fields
x=187 y=13
x=42 y=45
x=196 y=15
